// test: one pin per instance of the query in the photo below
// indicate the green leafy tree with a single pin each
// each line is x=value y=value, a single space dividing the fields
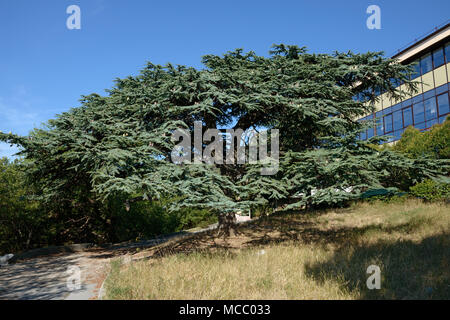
x=118 y=146
x=22 y=220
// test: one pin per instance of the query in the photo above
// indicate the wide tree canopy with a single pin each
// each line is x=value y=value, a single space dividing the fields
x=119 y=146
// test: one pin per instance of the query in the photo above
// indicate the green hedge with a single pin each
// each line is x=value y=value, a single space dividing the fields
x=430 y=190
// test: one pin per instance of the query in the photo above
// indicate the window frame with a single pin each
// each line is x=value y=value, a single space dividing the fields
x=419 y=71
x=412 y=116
x=392 y=123
x=447 y=56
x=422 y=58
x=442 y=48
x=436 y=107
x=401 y=120
x=437 y=104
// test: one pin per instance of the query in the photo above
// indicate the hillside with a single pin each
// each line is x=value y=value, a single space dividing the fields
x=319 y=255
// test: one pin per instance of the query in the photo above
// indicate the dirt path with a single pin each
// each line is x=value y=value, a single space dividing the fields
x=47 y=277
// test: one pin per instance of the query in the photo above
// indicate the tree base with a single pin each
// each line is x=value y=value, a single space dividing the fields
x=227 y=225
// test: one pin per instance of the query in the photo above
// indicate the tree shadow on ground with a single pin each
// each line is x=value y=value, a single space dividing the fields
x=310 y=233
x=409 y=270
x=275 y=230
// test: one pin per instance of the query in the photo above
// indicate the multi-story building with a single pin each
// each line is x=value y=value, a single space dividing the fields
x=430 y=105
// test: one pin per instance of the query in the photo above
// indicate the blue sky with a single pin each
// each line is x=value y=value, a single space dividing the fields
x=45 y=67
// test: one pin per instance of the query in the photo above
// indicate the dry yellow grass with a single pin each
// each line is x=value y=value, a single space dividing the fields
x=322 y=255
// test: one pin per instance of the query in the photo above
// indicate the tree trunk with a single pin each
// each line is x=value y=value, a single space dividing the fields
x=227 y=224
x=29 y=239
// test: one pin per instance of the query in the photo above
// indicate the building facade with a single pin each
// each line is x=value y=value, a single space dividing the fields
x=427 y=107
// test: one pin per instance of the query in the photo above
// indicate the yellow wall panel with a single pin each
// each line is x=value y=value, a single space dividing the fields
x=440 y=75
x=400 y=88
x=378 y=105
x=385 y=100
x=419 y=86
x=448 y=71
x=428 y=81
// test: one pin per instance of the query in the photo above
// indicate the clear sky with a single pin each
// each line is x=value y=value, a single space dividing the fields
x=45 y=67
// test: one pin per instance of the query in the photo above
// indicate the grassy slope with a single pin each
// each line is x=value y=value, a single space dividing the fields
x=296 y=256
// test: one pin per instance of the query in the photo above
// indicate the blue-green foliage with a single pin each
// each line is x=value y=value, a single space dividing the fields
x=102 y=171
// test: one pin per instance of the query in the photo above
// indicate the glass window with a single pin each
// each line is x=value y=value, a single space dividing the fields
x=428 y=94
x=420 y=126
x=417 y=98
x=394 y=82
x=379 y=126
x=377 y=91
x=416 y=70
x=407 y=103
x=397 y=107
x=442 y=88
x=398 y=134
x=431 y=123
x=400 y=82
x=388 y=123
x=398 y=121
x=443 y=104
x=426 y=63
x=447 y=52
x=365 y=95
x=419 y=113
x=430 y=109
x=369 y=133
x=438 y=57
x=363 y=135
x=407 y=117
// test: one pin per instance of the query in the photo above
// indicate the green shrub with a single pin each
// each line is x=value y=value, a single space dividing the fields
x=27 y=223
x=191 y=218
x=23 y=223
x=430 y=190
x=149 y=219
x=434 y=143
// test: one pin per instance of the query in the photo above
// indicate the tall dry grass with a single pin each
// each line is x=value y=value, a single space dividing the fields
x=322 y=255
